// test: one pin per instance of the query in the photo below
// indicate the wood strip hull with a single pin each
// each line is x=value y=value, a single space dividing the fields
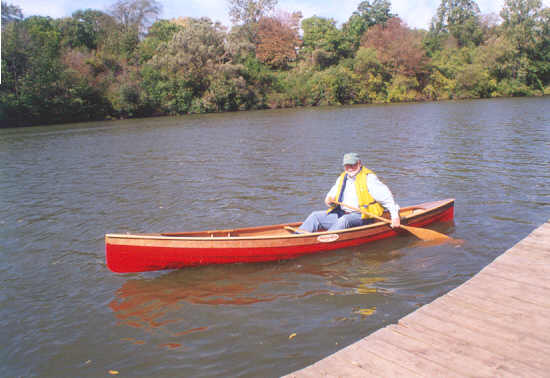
x=148 y=252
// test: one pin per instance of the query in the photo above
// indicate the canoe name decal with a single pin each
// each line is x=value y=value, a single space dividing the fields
x=328 y=238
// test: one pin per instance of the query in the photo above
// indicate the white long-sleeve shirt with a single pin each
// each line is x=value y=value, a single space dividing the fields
x=378 y=190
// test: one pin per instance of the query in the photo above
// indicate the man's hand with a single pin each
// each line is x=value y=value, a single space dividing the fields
x=395 y=222
x=329 y=201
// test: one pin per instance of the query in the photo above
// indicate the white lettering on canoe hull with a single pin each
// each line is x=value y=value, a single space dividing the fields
x=328 y=238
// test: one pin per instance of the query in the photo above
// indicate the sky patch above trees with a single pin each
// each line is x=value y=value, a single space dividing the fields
x=417 y=14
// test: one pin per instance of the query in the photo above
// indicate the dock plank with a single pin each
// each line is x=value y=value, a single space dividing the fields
x=493 y=288
x=465 y=345
x=483 y=325
x=475 y=359
x=421 y=353
x=396 y=360
x=495 y=324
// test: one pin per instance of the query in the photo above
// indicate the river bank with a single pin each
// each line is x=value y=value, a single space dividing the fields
x=6 y=124
x=53 y=72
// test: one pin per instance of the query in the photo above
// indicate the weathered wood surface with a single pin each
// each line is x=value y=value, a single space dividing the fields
x=497 y=324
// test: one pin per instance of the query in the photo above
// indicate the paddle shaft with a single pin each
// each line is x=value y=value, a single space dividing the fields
x=363 y=211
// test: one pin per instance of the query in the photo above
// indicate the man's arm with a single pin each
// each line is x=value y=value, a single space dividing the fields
x=331 y=195
x=382 y=194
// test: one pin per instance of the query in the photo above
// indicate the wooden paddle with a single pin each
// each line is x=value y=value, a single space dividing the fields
x=421 y=233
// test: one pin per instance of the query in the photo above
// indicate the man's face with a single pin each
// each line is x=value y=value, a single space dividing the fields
x=352 y=169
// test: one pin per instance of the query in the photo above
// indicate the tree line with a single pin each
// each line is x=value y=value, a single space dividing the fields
x=126 y=62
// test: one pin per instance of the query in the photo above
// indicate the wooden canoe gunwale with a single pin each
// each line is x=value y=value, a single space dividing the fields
x=412 y=220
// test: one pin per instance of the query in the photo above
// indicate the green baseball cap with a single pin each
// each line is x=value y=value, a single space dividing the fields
x=350 y=158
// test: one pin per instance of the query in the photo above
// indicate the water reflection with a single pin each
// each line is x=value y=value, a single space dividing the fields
x=156 y=303
x=57 y=202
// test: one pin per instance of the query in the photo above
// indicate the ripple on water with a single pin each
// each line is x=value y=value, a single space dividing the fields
x=64 y=187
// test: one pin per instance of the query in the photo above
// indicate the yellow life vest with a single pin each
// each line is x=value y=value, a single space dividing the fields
x=365 y=198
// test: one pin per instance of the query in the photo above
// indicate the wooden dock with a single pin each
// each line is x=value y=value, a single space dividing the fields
x=497 y=324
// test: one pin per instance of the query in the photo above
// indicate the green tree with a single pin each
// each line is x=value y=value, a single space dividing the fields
x=248 y=13
x=10 y=13
x=133 y=18
x=161 y=31
x=333 y=86
x=136 y=15
x=377 y=12
x=367 y=14
x=323 y=42
x=525 y=24
x=14 y=54
x=239 y=46
x=402 y=89
x=543 y=48
x=261 y=81
x=373 y=76
x=86 y=28
x=194 y=52
x=520 y=19
x=39 y=89
x=192 y=64
x=461 y=73
x=459 y=19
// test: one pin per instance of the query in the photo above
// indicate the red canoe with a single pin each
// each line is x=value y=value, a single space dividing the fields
x=126 y=253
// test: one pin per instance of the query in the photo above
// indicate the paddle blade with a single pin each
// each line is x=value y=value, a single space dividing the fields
x=426 y=234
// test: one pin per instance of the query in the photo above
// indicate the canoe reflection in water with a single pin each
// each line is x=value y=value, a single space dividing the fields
x=194 y=300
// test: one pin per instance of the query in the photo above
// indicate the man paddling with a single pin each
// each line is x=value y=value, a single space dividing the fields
x=357 y=187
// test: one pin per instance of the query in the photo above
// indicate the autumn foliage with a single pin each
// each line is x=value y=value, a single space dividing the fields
x=278 y=39
x=121 y=64
x=397 y=46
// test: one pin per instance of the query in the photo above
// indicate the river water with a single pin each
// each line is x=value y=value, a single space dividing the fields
x=63 y=313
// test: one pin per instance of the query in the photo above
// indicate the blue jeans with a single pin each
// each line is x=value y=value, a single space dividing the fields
x=336 y=220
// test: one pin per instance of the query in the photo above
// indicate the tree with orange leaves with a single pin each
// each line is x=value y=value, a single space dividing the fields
x=398 y=47
x=278 y=39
